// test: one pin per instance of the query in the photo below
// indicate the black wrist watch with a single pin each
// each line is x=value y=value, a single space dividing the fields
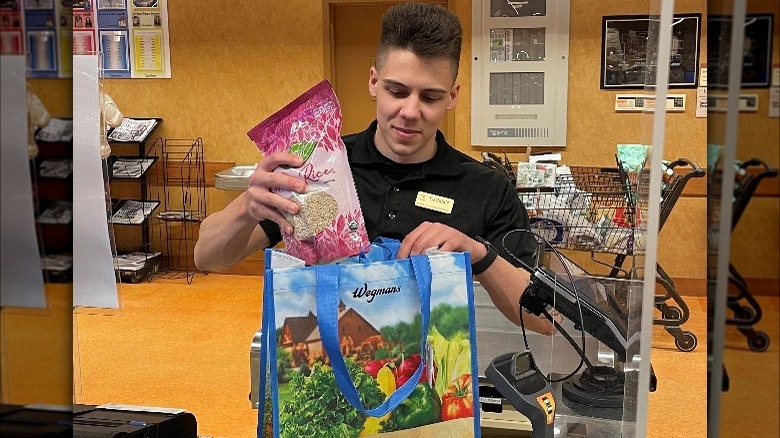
x=480 y=266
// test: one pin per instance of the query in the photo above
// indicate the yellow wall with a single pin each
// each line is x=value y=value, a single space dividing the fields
x=232 y=67
x=594 y=127
x=754 y=249
x=758 y=134
x=56 y=94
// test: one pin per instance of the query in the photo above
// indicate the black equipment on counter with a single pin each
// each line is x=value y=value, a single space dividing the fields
x=597 y=386
x=34 y=421
x=515 y=376
x=132 y=421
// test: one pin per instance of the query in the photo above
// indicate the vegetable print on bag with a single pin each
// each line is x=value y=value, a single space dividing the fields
x=400 y=333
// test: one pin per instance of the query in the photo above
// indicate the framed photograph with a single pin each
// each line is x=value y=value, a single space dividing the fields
x=629 y=57
x=41 y=50
x=116 y=53
x=82 y=4
x=112 y=4
x=145 y=3
x=756 y=55
x=40 y=4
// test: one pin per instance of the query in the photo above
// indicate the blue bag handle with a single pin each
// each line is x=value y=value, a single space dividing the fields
x=388 y=245
x=327 y=319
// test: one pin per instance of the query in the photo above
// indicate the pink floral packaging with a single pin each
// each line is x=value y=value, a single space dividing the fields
x=329 y=225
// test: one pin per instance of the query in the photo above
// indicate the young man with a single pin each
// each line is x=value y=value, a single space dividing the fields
x=399 y=156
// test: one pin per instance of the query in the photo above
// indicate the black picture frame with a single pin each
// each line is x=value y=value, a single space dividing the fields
x=757 y=56
x=628 y=56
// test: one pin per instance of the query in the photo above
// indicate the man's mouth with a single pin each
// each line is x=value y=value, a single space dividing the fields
x=405 y=133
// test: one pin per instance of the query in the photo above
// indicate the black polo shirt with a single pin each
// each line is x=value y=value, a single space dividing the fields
x=484 y=202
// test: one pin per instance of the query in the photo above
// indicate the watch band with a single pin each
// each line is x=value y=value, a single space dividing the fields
x=480 y=266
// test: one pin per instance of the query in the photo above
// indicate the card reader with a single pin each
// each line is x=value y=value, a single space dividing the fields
x=516 y=377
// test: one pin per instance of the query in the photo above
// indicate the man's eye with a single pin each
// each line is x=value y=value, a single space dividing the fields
x=431 y=99
x=397 y=93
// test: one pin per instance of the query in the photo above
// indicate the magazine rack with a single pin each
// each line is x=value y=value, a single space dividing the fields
x=52 y=173
x=136 y=189
x=184 y=203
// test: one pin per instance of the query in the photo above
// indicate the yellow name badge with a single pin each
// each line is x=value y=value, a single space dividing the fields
x=434 y=202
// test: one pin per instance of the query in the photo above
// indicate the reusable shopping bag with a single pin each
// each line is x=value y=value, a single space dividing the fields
x=370 y=345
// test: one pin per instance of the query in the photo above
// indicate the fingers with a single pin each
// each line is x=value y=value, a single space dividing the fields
x=414 y=242
x=538 y=324
x=265 y=205
x=264 y=175
x=433 y=234
x=261 y=200
x=448 y=246
x=276 y=159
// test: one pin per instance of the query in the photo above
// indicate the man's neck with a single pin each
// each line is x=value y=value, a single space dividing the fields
x=385 y=151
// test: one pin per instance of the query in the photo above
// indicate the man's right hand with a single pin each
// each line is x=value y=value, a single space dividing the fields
x=261 y=202
x=230 y=235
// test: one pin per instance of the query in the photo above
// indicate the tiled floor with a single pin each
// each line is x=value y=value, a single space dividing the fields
x=750 y=407
x=187 y=346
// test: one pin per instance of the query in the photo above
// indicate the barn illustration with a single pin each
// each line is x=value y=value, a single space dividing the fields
x=357 y=337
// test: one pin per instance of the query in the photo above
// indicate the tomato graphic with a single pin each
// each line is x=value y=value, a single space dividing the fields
x=457 y=401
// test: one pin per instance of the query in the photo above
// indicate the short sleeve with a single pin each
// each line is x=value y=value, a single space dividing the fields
x=272 y=230
x=508 y=229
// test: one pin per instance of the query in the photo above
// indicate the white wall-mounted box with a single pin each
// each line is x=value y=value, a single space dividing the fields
x=520 y=67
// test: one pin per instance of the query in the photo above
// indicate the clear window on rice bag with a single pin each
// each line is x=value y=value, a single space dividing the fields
x=329 y=225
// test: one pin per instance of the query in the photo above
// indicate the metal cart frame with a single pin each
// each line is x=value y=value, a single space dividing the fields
x=746 y=316
x=604 y=209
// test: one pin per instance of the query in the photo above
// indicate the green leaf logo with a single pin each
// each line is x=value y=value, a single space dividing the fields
x=303 y=148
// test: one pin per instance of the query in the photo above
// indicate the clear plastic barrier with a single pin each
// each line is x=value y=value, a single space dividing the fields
x=601 y=218
x=177 y=338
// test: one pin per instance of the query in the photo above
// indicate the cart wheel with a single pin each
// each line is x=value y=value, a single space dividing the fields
x=151 y=272
x=759 y=341
x=745 y=313
x=686 y=341
x=672 y=312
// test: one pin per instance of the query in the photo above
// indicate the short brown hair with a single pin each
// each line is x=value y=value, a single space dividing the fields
x=427 y=30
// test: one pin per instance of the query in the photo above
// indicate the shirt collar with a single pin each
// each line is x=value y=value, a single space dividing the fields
x=445 y=162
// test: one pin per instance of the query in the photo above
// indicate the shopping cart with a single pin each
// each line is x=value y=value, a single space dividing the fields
x=600 y=209
x=747 y=316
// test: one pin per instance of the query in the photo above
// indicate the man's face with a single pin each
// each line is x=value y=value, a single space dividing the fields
x=412 y=95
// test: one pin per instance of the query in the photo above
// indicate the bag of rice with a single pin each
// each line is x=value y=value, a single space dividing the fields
x=329 y=225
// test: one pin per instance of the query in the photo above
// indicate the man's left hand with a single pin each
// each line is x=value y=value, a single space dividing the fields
x=437 y=235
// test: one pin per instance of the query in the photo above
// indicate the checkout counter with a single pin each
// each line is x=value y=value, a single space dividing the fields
x=496 y=336
x=553 y=355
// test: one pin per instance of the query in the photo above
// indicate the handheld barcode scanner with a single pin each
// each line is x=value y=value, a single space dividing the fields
x=515 y=376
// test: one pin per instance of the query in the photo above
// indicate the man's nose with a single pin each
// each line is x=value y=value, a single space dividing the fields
x=411 y=108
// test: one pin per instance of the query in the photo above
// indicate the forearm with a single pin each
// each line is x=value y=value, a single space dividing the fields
x=228 y=236
x=505 y=284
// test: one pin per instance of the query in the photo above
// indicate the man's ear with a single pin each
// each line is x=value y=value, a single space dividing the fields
x=454 y=93
x=373 y=80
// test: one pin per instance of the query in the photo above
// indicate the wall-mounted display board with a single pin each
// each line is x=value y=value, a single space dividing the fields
x=131 y=35
x=628 y=57
x=41 y=30
x=757 y=52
